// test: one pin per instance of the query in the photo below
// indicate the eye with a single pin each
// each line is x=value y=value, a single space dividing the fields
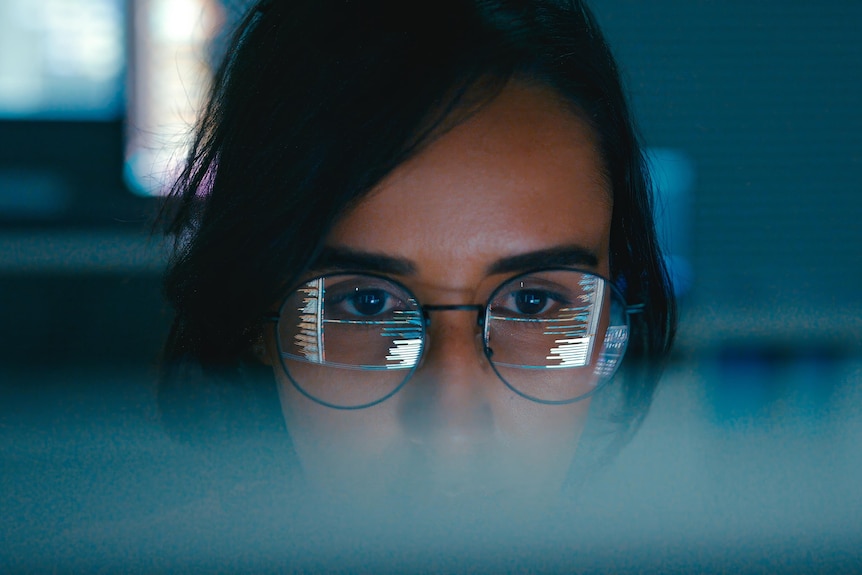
x=367 y=302
x=352 y=300
x=530 y=302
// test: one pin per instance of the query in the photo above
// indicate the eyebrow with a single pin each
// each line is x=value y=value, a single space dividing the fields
x=561 y=256
x=339 y=258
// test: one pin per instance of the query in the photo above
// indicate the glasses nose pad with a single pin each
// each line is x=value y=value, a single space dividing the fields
x=426 y=333
x=487 y=352
x=484 y=344
x=423 y=352
x=479 y=337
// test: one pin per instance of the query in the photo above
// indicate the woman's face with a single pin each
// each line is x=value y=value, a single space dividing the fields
x=519 y=180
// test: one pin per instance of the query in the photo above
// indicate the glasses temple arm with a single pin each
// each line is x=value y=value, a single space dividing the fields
x=635 y=308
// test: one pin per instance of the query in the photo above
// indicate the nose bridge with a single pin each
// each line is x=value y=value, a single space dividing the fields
x=449 y=396
x=454 y=339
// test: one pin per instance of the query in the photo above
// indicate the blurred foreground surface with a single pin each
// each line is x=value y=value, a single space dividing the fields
x=745 y=464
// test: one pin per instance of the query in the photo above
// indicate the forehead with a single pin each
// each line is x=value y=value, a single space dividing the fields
x=522 y=174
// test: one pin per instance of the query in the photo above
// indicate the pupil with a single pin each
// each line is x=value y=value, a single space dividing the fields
x=369 y=302
x=530 y=302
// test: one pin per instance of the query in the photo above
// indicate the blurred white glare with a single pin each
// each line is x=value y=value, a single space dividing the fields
x=169 y=74
x=61 y=59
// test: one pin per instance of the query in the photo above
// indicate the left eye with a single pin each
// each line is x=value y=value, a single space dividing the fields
x=530 y=302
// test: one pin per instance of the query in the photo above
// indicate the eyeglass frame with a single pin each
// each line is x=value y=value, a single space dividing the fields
x=482 y=311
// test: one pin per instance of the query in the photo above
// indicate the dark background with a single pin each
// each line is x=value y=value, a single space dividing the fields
x=754 y=447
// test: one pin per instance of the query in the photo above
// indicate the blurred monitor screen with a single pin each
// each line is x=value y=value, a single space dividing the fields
x=169 y=75
x=61 y=59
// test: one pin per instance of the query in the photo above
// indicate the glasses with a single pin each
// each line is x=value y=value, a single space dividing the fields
x=352 y=340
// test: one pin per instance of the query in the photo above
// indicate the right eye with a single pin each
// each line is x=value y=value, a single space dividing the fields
x=367 y=302
x=362 y=302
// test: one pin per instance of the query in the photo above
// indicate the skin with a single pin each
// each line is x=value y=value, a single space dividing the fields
x=520 y=176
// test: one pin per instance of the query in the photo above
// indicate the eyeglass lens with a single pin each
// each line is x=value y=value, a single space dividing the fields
x=352 y=340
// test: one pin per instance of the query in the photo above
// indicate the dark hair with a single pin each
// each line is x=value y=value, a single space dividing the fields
x=314 y=104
